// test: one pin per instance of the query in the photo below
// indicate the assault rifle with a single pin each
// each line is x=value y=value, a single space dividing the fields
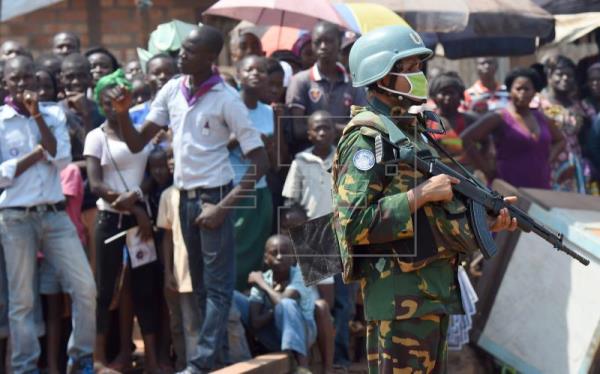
x=481 y=200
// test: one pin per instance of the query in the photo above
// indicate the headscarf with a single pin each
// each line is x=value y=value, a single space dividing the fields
x=594 y=66
x=448 y=79
x=116 y=78
x=300 y=43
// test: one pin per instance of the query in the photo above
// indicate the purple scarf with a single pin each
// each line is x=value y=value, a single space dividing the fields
x=8 y=100
x=203 y=89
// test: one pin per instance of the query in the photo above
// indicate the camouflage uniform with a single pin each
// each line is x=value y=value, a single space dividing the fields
x=407 y=299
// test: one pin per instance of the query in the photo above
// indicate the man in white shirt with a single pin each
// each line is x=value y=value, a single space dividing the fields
x=202 y=112
x=34 y=147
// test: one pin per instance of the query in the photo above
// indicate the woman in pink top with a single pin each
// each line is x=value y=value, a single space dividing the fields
x=526 y=141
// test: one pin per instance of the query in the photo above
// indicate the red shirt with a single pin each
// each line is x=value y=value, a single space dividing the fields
x=481 y=99
x=72 y=186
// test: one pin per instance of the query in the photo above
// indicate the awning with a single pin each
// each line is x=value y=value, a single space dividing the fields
x=570 y=27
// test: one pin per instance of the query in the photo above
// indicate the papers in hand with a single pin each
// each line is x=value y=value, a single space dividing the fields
x=140 y=252
x=460 y=325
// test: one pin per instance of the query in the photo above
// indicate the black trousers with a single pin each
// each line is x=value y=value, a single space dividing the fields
x=145 y=280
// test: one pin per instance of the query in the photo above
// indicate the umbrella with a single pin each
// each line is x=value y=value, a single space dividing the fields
x=467 y=44
x=166 y=38
x=360 y=17
x=521 y=18
x=569 y=6
x=364 y=17
x=429 y=15
x=497 y=28
x=292 y=13
x=272 y=37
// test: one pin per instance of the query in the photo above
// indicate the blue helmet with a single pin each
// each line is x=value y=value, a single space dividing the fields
x=375 y=53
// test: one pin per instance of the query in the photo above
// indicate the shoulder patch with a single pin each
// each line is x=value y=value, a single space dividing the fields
x=363 y=159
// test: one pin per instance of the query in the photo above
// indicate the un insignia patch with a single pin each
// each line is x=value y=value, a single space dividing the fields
x=364 y=160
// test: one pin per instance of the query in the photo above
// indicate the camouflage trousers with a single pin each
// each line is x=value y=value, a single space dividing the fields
x=410 y=346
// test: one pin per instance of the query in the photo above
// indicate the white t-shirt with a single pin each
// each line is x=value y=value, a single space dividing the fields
x=130 y=165
x=309 y=183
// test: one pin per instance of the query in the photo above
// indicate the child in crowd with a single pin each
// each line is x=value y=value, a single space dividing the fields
x=254 y=214
x=244 y=43
x=133 y=70
x=280 y=309
x=160 y=69
x=102 y=63
x=82 y=113
x=82 y=117
x=308 y=183
x=160 y=168
x=50 y=63
x=279 y=156
x=309 y=180
x=141 y=91
x=183 y=304
x=47 y=86
x=447 y=90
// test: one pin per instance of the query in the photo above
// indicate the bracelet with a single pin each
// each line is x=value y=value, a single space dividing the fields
x=36 y=116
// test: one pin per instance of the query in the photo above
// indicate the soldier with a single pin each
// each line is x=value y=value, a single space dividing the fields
x=412 y=228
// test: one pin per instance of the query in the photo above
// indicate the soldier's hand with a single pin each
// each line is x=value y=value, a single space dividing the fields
x=503 y=221
x=436 y=188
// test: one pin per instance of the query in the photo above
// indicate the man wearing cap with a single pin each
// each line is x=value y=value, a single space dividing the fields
x=411 y=228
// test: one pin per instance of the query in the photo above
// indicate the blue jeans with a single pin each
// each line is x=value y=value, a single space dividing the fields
x=23 y=234
x=289 y=330
x=3 y=298
x=343 y=310
x=211 y=258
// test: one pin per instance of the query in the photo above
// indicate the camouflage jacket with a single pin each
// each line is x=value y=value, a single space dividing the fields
x=402 y=276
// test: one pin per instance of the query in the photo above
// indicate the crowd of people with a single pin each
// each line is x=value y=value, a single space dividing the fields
x=161 y=191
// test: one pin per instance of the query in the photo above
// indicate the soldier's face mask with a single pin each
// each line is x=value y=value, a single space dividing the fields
x=411 y=85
